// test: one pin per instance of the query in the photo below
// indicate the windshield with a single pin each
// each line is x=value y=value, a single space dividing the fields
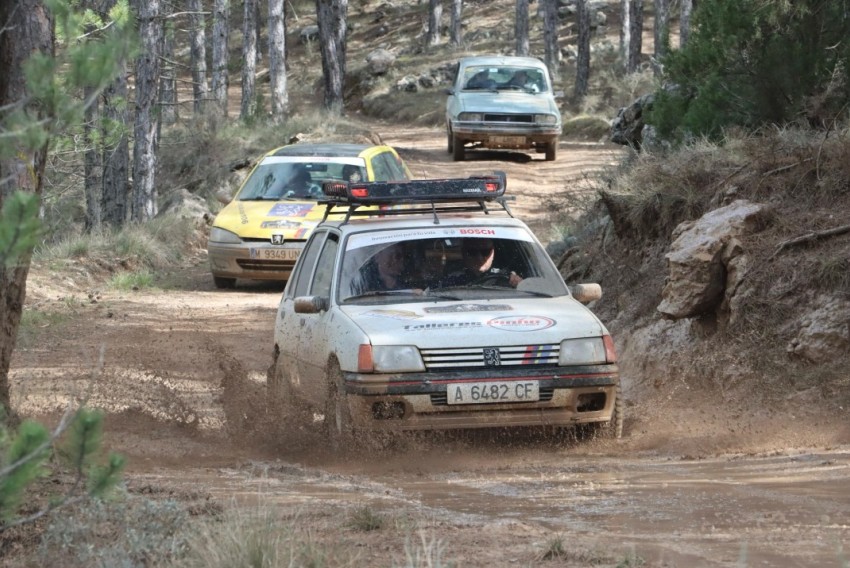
x=280 y=178
x=461 y=263
x=498 y=78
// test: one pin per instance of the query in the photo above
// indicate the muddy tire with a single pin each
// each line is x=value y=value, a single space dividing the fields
x=451 y=140
x=223 y=283
x=339 y=428
x=458 y=151
x=551 y=151
x=611 y=430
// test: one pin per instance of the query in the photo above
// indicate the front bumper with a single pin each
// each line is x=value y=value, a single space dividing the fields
x=254 y=260
x=505 y=135
x=417 y=401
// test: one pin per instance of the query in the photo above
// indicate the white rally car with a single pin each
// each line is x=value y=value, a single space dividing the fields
x=438 y=309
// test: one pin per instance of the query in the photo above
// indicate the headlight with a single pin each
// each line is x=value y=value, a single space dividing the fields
x=545 y=119
x=470 y=116
x=585 y=351
x=218 y=235
x=396 y=359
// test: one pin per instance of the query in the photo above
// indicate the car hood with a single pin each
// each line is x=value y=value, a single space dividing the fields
x=476 y=323
x=506 y=102
x=262 y=219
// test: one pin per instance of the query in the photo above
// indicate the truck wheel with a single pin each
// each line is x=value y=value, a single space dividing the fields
x=458 y=153
x=451 y=140
x=551 y=151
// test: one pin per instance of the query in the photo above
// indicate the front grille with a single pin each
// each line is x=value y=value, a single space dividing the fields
x=524 y=118
x=266 y=265
x=473 y=358
x=439 y=398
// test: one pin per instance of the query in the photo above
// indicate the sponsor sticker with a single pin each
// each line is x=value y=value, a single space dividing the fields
x=443 y=326
x=280 y=224
x=290 y=209
x=521 y=323
x=392 y=314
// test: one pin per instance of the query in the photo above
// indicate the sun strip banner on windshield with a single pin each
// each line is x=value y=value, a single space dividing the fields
x=354 y=161
x=357 y=241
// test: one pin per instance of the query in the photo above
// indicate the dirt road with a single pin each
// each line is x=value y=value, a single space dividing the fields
x=181 y=373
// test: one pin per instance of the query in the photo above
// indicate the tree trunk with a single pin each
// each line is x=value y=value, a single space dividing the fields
x=456 y=31
x=661 y=30
x=258 y=31
x=332 y=30
x=26 y=27
x=583 y=59
x=435 y=14
x=552 y=54
x=221 y=13
x=92 y=166
x=168 y=82
x=624 y=33
x=635 y=34
x=687 y=7
x=199 y=56
x=143 y=205
x=249 y=60
x=116 y=152
x=277 y=60
x=521 y=28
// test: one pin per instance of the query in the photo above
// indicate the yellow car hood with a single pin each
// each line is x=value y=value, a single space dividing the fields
x=262 y=219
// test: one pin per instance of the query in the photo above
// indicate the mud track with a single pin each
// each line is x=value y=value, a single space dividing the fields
x=181 y=374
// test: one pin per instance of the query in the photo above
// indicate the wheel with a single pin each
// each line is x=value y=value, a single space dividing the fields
x=338 y=424
x=223 y=283
x=611 y=430
x=451 y=140
x=457 y=149
x=551 y=151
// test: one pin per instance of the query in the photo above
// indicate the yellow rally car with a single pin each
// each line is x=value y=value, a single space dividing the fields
x=261 y=233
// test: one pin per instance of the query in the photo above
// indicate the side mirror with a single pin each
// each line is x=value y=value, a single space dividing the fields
x=449 y=92
x=559 y=94
x=585 y=293
x=311 y=304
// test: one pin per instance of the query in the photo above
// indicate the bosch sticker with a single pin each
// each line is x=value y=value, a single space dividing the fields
x=521 y=323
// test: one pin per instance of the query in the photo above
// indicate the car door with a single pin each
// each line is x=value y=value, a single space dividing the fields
x=290 y=324
x=313 y=339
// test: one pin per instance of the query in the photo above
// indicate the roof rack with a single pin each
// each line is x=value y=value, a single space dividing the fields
x=453 y=195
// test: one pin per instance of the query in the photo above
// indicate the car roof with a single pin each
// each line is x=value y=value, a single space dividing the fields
x=500 y=60
x=323 y=149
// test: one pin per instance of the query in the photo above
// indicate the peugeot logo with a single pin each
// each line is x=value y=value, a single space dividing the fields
x=277 y=239
x=492 y=357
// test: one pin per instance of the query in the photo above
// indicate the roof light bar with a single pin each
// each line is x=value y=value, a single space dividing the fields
x=474 y=188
